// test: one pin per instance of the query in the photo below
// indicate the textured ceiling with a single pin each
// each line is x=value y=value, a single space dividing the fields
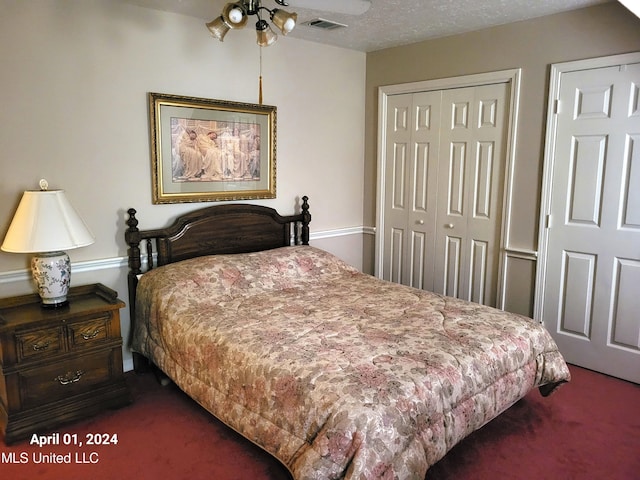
x=390 y=23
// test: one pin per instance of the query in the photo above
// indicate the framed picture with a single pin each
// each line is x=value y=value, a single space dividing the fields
x=206 y=150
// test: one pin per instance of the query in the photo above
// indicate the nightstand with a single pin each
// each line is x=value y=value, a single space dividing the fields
x=59 y=365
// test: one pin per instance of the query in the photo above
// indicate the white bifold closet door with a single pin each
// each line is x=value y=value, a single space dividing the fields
x=444 y=170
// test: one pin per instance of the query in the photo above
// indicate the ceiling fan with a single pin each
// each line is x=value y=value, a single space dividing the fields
x=347 y=7
x=235 y=15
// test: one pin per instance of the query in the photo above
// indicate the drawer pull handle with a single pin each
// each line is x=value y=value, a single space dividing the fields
x=41 y=346
x=70 y=377
x=90 y=335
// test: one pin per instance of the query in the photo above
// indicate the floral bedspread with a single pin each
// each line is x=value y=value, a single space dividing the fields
x=336 y=373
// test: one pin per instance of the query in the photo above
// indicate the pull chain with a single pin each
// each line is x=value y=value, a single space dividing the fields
x=260 y=81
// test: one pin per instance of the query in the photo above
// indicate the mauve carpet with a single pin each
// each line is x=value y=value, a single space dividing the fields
x=588 y=429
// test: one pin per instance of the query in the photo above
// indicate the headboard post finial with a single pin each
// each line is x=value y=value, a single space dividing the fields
x=132 y=237
x=306 y=219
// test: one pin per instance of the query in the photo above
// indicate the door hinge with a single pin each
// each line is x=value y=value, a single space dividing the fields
x=547 y=221
x=556 y=106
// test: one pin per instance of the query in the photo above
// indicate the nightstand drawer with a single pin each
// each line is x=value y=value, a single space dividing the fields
x=67 y=378
x=61 y=364
x=40 y=343
x=89 y=332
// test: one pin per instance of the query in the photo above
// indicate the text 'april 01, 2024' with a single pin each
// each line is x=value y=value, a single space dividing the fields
x=55 y=439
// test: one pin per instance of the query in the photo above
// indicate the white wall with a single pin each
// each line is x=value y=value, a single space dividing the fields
x=75 y=74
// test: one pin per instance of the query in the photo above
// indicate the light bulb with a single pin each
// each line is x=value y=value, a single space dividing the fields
x=235 y=15
x=288 y=25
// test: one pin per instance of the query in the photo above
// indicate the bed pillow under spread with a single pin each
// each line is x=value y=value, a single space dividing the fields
x=251 y=273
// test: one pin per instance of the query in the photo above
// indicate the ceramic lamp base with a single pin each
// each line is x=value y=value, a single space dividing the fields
x=52 y=274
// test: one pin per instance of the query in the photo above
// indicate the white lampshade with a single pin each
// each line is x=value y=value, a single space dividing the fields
x=45 y=221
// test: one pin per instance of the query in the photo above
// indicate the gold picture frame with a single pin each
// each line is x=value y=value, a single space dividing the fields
x=206 y=150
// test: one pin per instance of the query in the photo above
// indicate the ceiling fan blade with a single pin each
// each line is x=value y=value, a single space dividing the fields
x=348 y=7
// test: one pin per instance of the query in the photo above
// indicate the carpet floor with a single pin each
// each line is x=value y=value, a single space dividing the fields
x=588 y=429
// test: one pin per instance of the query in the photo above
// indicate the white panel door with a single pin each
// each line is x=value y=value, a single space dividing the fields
x=444 y=175
x=470 y=188
x=591 y=291
x=410 y=188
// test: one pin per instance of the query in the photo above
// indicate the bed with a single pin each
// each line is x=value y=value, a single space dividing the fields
x=336 y=373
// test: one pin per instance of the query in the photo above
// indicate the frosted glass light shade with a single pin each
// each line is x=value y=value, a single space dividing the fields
x=45 y=221
x=265 y=36
x=285 y=21
x=218 y=28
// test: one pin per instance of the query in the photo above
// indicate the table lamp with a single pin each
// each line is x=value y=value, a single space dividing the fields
x=45 y=223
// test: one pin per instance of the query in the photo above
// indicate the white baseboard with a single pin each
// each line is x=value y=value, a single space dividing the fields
x=127 y=364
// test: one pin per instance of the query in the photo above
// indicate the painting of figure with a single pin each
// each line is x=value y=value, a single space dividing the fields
x=209 y=150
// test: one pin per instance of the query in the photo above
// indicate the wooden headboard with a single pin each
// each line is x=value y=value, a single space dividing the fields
x=220 y=229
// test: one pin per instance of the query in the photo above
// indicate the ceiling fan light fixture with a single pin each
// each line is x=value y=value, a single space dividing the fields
x=218 y=28
x=235 y=15
x=284 y=20
x=265 y=36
